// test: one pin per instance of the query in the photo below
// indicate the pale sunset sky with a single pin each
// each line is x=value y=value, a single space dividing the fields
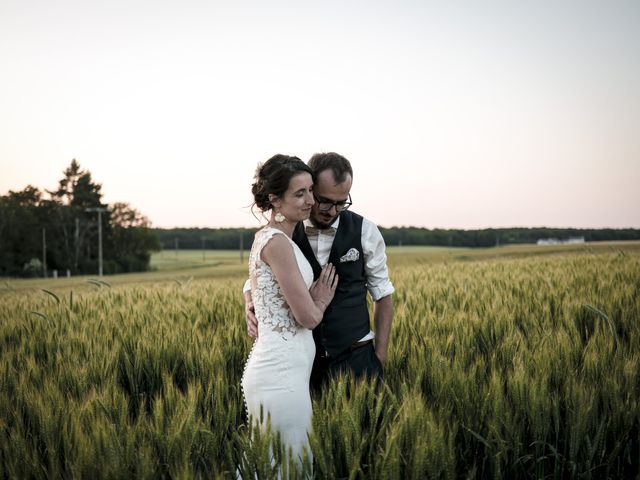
x=454 y=114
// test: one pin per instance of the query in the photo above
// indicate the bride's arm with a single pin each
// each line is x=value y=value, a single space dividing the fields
x=307 y=310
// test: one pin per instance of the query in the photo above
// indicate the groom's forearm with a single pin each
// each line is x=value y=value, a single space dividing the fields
x=250 y=314
x=382 y=318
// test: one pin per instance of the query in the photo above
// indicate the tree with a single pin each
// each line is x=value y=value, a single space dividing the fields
x=71 y=231
x=20 y=231
x=131 y=239
x=75 y=226
x=124 y=216
x=77 y=189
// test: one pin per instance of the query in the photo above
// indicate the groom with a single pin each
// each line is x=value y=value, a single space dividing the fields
x=354 y=245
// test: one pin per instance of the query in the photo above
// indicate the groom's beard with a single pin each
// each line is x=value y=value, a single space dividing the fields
x=322 y=221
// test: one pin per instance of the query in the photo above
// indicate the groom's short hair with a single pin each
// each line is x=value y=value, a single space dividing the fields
x=335 y=162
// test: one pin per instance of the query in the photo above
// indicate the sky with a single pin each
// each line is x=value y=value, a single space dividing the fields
x=454 y=114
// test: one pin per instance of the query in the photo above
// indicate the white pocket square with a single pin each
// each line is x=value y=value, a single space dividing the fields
x=351 y=256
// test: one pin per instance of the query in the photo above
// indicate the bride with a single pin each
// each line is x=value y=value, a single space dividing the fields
x=288 y=305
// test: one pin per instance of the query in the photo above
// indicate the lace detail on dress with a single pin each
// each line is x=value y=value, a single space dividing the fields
x=272 y=311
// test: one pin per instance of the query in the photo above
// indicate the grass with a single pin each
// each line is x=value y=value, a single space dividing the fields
x=519 y=362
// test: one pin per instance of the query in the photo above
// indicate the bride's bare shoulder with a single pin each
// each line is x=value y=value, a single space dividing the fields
x=277 y=248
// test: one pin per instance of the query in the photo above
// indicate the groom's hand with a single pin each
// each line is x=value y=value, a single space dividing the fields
x=250 y=315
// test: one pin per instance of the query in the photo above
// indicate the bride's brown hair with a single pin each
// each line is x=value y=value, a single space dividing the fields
x=272 y=178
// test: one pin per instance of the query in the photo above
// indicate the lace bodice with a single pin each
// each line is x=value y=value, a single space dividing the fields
x=272 y=311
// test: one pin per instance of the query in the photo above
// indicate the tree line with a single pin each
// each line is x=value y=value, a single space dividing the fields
x=42 y=231
x=231 y=238
x=499 y=236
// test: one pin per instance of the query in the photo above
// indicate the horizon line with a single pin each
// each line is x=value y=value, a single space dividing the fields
x=411 y=226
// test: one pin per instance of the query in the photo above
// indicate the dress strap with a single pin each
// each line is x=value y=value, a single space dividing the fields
x=260 y=240
x=263 y=236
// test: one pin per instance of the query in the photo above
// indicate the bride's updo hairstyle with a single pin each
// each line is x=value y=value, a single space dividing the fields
x=272 y=178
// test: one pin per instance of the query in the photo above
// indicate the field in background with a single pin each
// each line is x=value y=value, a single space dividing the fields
x=517 y=361
x=171 y=266
x=167 y=260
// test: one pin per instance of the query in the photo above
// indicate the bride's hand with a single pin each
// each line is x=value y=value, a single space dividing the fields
x=323 y=289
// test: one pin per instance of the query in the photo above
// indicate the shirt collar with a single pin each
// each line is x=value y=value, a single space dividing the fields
x=336 y=222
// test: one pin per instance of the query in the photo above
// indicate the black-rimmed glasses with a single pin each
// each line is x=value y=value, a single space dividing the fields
x=324 y=205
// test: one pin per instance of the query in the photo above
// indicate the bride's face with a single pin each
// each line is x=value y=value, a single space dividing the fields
x=297 y=201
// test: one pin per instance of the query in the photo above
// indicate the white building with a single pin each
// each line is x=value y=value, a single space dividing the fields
x=557 y=241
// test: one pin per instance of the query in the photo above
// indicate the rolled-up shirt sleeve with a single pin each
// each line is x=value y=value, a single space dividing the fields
x=375 y=261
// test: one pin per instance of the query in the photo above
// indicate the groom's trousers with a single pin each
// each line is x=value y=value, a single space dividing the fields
x=360 y=359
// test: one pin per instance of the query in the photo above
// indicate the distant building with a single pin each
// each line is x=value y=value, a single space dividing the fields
x=558 y=241
x=575 y=240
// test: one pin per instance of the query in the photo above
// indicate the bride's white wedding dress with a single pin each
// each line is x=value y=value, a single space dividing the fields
x=277 y=372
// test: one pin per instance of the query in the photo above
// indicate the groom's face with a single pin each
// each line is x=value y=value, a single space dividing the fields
x=326 y=188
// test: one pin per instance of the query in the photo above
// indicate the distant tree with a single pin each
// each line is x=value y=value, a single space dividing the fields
x=131 y=239
x=75 y=227
x=20 y=231
x=71 y=231
x=77 y=189
x=125 y=216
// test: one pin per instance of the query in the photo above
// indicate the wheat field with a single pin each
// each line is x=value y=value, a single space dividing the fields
x=514 y=362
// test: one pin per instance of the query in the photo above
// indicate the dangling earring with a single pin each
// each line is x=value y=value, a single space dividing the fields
x=279 y=217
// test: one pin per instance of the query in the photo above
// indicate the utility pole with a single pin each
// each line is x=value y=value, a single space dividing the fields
x=44 y=252
x=99 y=210
x=241 y=247
x=203 y=259
x=176 y=248
x=76 y=244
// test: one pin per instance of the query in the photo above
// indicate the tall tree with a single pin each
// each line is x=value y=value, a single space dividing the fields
x=75 y=225
x=77 y=189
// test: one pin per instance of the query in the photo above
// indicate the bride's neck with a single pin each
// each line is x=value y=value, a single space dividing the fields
x=285 y=226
